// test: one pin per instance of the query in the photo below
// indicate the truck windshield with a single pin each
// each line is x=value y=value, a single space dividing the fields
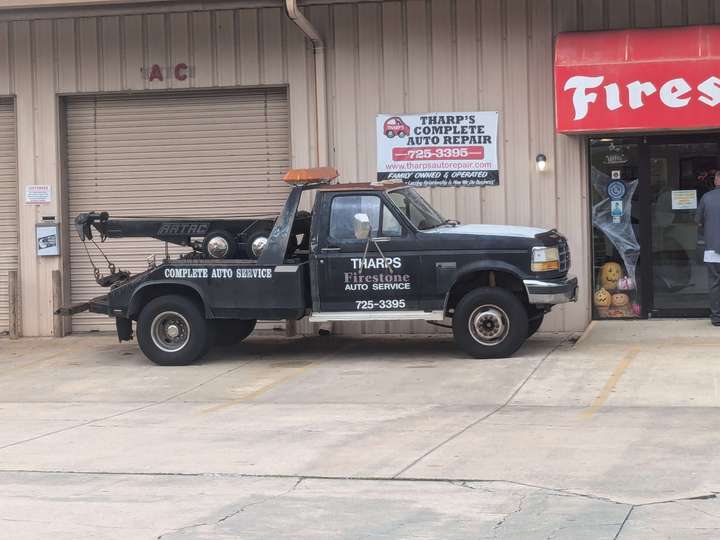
x=418 y=211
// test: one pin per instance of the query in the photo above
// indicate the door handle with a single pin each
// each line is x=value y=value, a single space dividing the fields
x=327 y=249
x=381 y=239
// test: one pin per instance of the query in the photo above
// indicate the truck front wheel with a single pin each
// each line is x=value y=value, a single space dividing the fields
x=490 y=322
x=172 y=331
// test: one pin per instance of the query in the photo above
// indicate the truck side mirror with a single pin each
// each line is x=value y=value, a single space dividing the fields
x=361 y=226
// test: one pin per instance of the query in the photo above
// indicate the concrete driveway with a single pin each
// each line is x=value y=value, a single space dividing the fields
x=615 y=436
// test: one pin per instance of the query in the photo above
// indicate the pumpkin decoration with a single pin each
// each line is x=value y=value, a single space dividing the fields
x=610 y=275
x=620 y=306
x=603 y=298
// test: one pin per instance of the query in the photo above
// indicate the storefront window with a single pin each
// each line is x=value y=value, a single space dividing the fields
x=614 y=181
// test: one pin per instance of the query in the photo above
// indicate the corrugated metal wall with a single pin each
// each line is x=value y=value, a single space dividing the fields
x=42 y=57
x=8 y=205
x=394 y=56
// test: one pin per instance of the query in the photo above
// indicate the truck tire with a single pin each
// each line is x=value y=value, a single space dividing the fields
x=172 y=331
x=535 y=323
x=219 y=245
x=490 y=322
x=232 y=331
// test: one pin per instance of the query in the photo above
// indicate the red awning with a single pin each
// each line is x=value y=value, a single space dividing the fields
x=639 y=80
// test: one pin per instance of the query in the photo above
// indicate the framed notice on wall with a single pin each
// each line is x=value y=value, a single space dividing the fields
x=452 y=149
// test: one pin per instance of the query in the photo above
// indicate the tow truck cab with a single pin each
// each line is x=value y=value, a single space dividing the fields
x=373 y=251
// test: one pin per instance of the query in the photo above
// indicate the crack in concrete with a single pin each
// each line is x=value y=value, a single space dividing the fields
x=556 y=531
x=707 y=496
x=459 y=482
x=624 y=521
x=293 y=488
x=234 y=512
x=465 y=483
x=502 y=522
x=181 y=529
x=695 y=509
x=488 y=415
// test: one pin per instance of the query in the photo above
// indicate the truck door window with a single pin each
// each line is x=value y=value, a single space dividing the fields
x=345 y=207
x=390 y=225
x=343 y=211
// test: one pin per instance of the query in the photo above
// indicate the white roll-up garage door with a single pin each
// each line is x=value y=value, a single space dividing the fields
x=8 y=205
x=178 y=155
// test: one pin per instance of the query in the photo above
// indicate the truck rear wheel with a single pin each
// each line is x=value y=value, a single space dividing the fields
x=490 y=322
x=172 y=331
x=232 y=331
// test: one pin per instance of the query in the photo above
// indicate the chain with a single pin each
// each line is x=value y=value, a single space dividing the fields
x=111 y=266
x=96 y=270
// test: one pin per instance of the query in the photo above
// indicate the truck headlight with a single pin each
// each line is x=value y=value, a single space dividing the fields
x=545 y=259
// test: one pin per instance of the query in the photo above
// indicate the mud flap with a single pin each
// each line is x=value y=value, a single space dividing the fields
x=124 y=329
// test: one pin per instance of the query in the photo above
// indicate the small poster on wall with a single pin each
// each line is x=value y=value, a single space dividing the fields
x=46 y=236
x=37 y=194
x=684 y=199
x=451 y=149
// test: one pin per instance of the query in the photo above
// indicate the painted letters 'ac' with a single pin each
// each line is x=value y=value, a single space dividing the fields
x=675 y=93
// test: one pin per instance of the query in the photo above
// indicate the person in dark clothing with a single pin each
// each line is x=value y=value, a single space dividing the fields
x=708 y=220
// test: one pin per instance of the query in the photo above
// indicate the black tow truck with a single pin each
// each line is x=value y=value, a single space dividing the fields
x=367 y=252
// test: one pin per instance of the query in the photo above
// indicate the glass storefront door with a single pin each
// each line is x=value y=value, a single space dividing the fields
x=680 y=174
x=647 y=255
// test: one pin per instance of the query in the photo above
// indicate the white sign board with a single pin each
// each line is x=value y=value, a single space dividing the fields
x=438 y=149
x=684 y=199
x=38 y=194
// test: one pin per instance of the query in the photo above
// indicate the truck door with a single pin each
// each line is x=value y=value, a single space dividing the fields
x=380 y=274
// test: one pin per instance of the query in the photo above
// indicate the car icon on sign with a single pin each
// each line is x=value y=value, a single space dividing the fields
x=47 y=242
x=394 y=126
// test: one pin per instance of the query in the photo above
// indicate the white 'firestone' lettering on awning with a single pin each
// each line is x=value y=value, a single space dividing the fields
x=674 y=93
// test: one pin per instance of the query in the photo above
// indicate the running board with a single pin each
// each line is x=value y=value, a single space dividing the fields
x=377 y=316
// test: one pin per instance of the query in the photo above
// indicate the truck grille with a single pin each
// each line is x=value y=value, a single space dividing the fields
x=564 y=255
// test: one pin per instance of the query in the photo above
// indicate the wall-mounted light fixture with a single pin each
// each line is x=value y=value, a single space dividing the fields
x=541 y=162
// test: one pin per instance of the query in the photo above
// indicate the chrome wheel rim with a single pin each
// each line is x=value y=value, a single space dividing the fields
x=170 y=331
x=489 y=325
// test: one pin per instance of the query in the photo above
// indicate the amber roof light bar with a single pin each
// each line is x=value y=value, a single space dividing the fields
x=311 y=176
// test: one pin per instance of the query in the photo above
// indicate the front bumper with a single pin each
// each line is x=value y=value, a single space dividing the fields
x=551 y=292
